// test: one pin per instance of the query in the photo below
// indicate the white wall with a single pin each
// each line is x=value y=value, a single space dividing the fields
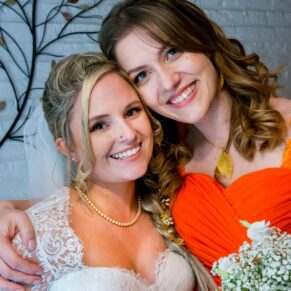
x=263 y=26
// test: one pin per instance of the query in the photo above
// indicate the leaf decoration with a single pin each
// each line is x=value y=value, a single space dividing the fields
x=2 y=105
x=10 y=2
x=67 y=10
x=224 y=165
x=67 y=15
x=84 y=6
x=53 y=64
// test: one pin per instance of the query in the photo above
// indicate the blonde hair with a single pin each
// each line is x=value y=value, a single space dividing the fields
x=71 y=76
x=79 y=73
x=75 y=75
x=186 y=27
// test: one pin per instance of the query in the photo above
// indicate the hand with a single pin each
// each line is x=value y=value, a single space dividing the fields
x=12 y=266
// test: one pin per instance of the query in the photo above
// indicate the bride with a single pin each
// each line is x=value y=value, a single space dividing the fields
x=107 y=230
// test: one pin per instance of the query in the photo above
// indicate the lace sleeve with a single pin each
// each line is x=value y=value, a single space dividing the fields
x=32 y=256
x=58 y=248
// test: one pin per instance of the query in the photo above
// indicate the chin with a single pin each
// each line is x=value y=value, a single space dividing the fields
x=138 y=173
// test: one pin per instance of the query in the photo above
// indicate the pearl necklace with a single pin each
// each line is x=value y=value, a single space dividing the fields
x=106 y=217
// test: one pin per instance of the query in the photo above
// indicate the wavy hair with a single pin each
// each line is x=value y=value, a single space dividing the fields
x=79 y=73
x=185 y=26
x=71 y=76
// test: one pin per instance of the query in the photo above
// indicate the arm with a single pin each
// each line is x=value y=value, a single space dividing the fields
x=16 y=204
x=12 y=266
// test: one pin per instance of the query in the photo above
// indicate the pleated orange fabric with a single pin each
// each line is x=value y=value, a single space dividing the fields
x=286 y=161
x=207 y=216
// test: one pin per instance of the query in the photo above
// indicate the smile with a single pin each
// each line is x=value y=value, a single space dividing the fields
x=183 y=96
x=126 y=154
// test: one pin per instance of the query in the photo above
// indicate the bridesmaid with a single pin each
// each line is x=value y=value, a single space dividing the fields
x=188 y=70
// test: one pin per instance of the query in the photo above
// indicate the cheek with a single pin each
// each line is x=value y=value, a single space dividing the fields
x=145 y=95
x=151 y=101
x=149 y=94
x=145 y=128
x=187 y=60
x=100 y=147
x=214 y=79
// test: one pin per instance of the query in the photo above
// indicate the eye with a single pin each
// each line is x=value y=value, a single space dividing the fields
x=172 y=52
x=133 y=111
x=98 y=126
x=140 y=77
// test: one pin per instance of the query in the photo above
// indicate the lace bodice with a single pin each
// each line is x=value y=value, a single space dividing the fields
x=60 y=253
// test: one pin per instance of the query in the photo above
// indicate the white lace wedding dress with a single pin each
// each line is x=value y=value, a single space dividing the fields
x=60 y=253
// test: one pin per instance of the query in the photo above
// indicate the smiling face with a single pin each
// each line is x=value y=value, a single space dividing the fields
x=178 y=85
x=120 y=132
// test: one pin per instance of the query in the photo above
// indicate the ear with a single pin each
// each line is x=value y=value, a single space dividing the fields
x=61 y=146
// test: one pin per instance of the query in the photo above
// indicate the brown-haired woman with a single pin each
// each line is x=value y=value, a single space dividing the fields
x=188 y=70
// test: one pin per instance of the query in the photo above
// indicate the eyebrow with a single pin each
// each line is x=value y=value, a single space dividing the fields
x=139 y=68
x=95 y=118
x=102 y=116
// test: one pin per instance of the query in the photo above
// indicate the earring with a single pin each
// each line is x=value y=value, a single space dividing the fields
x=74 y=159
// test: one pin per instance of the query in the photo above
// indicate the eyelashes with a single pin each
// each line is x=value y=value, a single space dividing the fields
x=103 y=124
x=140 y=77
x=167 y=55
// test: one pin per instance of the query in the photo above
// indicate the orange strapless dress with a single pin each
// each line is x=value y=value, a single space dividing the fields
x=207 y=216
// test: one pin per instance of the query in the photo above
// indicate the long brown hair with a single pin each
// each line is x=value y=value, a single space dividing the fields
x=183 y=25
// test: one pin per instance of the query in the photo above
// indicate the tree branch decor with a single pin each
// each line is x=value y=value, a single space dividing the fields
x=44 y=30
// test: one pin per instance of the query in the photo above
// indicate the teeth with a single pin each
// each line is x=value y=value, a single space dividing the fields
x=126 y=154
x=184 y=95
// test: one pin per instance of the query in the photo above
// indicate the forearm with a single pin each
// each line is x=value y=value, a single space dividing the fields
x=16 y=204
x=13 y=267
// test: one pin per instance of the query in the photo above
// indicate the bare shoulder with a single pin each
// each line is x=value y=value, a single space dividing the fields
x=283 y=105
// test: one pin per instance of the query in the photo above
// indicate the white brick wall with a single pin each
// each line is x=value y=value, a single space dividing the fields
x=264 y=26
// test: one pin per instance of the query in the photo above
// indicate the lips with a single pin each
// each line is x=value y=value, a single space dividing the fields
x=127 y=153
x=183 y=95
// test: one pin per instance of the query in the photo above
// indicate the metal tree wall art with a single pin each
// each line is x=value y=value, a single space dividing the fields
x=25 y=53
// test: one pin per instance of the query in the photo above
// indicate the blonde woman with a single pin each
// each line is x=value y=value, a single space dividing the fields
x=105 y=231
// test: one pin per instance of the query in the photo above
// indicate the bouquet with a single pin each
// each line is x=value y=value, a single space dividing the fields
x=264 y=264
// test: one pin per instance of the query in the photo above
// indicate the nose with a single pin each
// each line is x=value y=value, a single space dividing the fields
x=168 y=78
x=126 y=133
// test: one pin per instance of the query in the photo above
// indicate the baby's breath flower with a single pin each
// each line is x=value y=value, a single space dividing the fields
x=165 y=202
x=264 y=264
x=167 y=219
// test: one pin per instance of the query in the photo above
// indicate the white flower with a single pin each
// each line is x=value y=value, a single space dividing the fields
x=226 y=265
x=258 y=230
x=262 y=265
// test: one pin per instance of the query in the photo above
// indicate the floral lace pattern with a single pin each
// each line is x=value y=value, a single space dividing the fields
x=60 y=253
x=58 y=248
x=171 y=273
